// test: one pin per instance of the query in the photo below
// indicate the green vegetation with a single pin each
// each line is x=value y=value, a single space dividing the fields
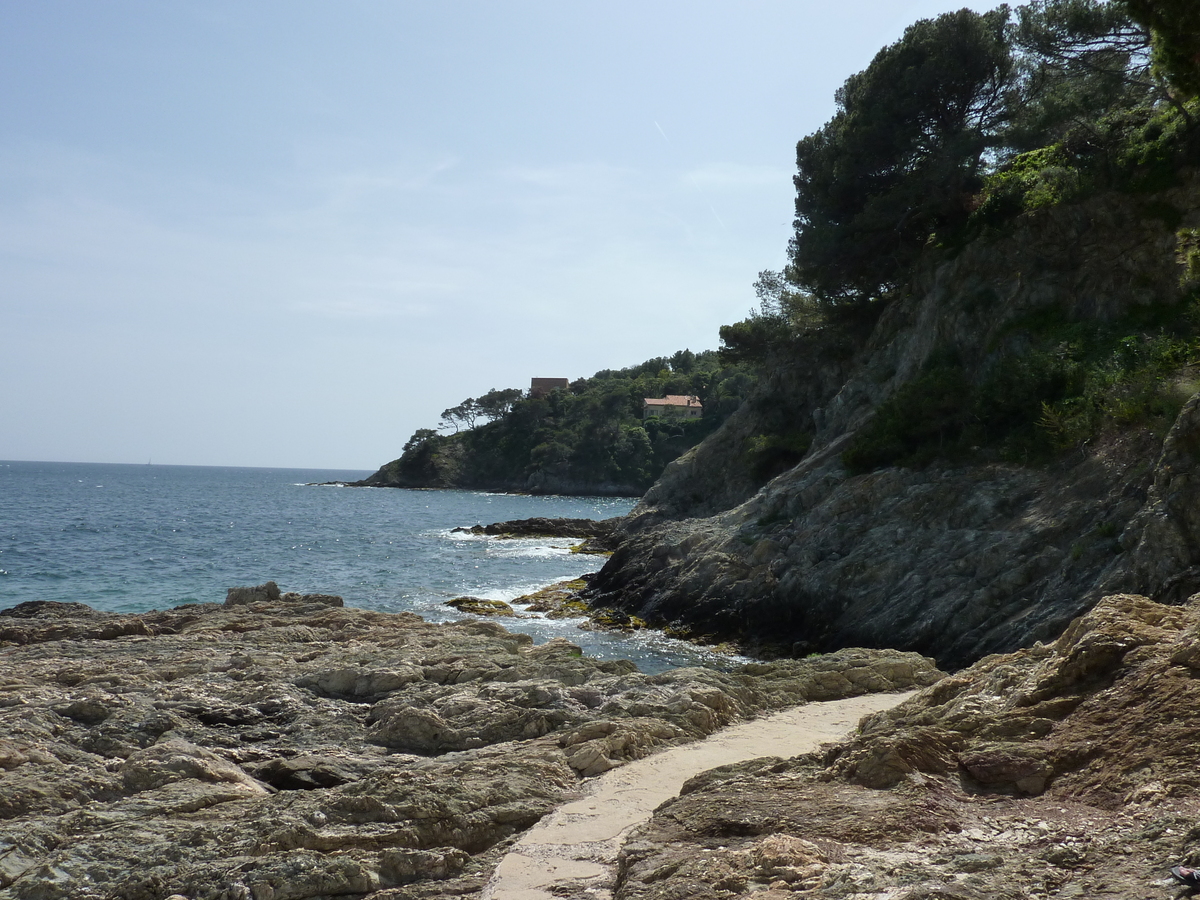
x=776 y=329
x=966 y=123
x=1175 y=26
x=591 y=434
x=773 y=454
x=895 y=162
x=1189 y=258
x=1140 y=150
x=971 y=118
x=1054 y=385
x=492 y=405
x=950 y=135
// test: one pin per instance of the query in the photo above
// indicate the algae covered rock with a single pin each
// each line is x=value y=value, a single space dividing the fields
x=558 y=601
x=477 y=606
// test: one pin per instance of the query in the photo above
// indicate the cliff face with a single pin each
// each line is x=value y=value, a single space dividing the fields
x=954 y=560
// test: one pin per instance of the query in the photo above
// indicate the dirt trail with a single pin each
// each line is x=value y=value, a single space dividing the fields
x=578 y=843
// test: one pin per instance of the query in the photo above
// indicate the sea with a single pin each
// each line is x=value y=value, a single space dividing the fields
x=133 y=538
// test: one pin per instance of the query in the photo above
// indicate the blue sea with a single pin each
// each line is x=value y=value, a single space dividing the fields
x=131 y=538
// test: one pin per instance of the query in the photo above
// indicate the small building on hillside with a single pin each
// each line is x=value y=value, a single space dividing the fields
x=540 y=387
x=672 y=406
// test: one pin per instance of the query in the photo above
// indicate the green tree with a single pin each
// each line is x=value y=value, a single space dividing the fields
x=783 y=314
x=1078 y=59
x=419 y=437
x=683 y=361
x=497 y=404
x=1175 y=27
x=900 y=158
x=466 y=413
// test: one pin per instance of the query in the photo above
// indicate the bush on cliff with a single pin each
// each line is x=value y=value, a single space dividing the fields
x=1052 y=385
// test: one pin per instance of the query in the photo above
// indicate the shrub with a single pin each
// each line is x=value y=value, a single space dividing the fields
x=1188 y=256
x=773 y=454
x=1056 y=386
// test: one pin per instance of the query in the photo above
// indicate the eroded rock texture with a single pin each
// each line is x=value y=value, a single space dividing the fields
x=281 y=746
x=1068 y=770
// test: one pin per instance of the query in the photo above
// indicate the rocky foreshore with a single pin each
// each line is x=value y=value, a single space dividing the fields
x=1067 y=770
x=279 y=746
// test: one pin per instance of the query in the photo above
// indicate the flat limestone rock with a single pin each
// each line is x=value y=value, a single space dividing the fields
x=284 y=745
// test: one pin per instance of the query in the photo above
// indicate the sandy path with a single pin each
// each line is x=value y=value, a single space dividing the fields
x=579 y=841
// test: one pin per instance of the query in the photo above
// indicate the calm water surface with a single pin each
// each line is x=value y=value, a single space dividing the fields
x=131 y=538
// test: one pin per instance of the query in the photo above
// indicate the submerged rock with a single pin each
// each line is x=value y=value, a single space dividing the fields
x=546 y=527
x=598 y=534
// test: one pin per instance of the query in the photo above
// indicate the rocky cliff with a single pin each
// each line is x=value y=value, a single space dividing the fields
x=965 y=554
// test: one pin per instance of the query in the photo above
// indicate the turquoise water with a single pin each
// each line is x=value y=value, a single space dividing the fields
x=131 y=538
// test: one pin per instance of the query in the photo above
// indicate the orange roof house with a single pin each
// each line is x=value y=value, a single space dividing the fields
x=678 y=406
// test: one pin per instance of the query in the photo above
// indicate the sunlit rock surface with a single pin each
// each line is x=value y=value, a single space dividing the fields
x=285 y=746
x=1064 y=770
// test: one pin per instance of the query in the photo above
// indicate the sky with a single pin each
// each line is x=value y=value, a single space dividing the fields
x=288 y=233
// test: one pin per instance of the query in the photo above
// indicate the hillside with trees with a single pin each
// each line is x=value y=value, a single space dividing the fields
x=589 y=438
x=957 y=136
x=962 y=131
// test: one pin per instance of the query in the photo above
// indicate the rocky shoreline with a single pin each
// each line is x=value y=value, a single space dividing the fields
x=1063 y=771
x=286 y=746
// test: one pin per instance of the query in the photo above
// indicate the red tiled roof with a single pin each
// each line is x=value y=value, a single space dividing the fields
x=675 y=400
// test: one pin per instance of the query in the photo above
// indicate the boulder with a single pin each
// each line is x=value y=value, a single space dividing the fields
x=477 y=606
x=263 y=593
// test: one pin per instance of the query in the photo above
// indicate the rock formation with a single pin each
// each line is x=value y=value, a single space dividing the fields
x=285 y=746
x=598 y=535
x=543 y=527
x=1063 y=770
x=955 y=559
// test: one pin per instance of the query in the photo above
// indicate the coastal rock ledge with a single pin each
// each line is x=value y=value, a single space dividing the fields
x=283 y=746
x=1068 y=770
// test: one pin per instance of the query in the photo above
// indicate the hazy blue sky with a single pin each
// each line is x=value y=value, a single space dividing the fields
x=290 y=233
